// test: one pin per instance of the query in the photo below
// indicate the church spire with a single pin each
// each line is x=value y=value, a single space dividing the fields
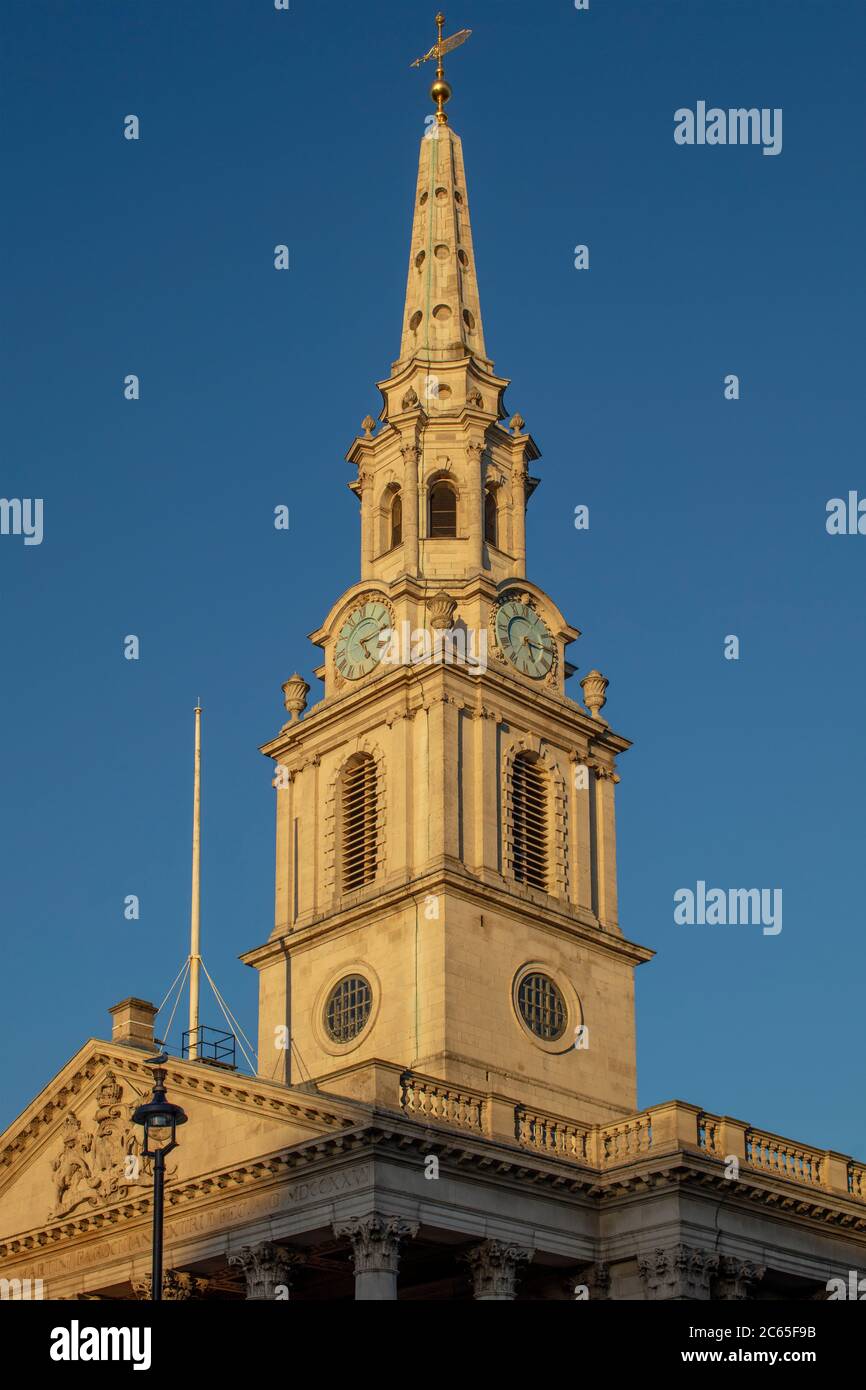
x=442 y=316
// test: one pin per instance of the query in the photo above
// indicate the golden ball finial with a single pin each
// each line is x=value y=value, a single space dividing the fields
x=440 y=89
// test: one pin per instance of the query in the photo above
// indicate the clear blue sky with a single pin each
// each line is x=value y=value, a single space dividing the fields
x=707 y=516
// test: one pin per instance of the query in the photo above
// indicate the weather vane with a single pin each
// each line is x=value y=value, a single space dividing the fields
x=440 y=90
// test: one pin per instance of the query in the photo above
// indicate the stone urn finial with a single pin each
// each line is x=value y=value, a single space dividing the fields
x=368 y=424
x=593 y=686
x=516 y=423
x=441 y=608
x=295 y=692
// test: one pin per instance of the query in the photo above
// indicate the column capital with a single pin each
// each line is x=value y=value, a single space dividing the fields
x=177 y=1285
x=494 y=1267
x=591 y=1283
x=376 y=1241
x=266 y=1267
x=737 y=1278
x=681 y=1272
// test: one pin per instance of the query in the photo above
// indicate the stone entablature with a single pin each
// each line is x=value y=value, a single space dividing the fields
x=282 y=1195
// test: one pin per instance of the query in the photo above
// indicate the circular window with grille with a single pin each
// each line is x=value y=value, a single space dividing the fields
x=348 y=1008
x=541 y=1006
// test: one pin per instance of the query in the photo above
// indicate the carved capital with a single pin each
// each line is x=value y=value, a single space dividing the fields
x=266 y=1267
x=376 y=1241
x=177 y=1285
x=603 y=771
x=682 y=1272
x=737 y=1278
x=593 y=1282
x=494 y=1266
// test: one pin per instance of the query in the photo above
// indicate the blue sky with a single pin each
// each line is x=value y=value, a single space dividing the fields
x=707 y=516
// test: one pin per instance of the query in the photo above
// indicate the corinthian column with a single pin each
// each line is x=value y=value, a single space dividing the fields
x=475 y=475
x=410 y=507
x=494 y=1267
x=376 y=1242
x=518 y=515
x=268 y=1270
x=367 y=523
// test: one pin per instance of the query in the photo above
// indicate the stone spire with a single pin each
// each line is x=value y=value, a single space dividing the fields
x=442 y=318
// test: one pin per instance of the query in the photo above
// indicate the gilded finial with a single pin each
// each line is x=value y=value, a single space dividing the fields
x=441 y=90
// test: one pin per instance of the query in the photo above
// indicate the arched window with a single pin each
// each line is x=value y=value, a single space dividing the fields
x=358 y=822
x=490 y=516
x=443 y=510
x=396 y=520
x=530 y=821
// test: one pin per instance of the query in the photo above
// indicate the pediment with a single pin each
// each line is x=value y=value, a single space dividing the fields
x=74 y=1151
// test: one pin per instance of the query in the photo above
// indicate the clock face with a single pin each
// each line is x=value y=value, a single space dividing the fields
x=359 y=642
x=525 y=638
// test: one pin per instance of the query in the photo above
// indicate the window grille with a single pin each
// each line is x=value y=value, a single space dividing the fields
x=542 y=1007
x=348 y=1008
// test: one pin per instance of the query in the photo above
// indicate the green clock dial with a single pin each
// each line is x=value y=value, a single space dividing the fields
x=359 y=641
x=525 y=639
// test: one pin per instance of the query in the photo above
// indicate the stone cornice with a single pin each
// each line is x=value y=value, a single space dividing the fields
x=480 y=893
x=493 y=692
x=699 y=1172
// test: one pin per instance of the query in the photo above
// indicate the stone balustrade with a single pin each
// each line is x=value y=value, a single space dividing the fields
x=551 y=1135
x=783 y=1158
x=625 y=1141
x=668 y=1128
x=426 y=1098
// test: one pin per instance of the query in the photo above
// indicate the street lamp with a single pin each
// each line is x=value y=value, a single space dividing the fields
x=160 y=1119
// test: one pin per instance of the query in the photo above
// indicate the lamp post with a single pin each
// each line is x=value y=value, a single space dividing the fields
x=160 y=1120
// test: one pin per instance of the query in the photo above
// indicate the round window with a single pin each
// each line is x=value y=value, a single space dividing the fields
x=542 y=1007
x=348 y=1008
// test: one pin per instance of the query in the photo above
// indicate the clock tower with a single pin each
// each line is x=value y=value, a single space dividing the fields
x=446 y=903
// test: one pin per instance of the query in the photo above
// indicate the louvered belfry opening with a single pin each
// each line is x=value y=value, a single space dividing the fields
x=359 y=837
x=443 y=511
x=529 y=810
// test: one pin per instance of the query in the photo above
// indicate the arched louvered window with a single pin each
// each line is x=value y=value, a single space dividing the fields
x=530 y=821
x=396 y=520
x=358 y=827
x=443 y=510
x=490 y=517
